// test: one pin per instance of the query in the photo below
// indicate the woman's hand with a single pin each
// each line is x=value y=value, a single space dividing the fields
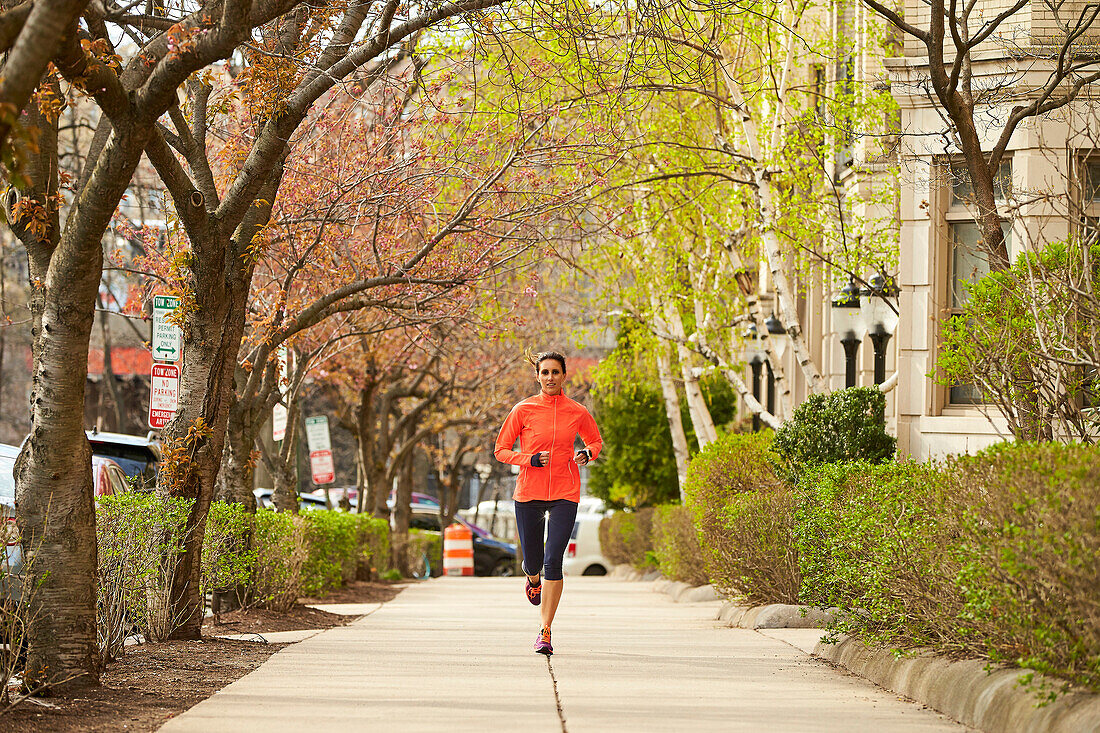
x=544 y=458
x=581 y=458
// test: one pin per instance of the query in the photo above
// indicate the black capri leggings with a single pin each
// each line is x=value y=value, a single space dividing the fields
x=531 y=522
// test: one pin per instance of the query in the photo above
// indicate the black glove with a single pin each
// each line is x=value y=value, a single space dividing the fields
x=535 y=461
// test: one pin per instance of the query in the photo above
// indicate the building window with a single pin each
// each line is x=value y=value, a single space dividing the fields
x=968 y=261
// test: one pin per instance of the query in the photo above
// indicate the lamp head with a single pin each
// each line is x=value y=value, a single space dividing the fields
x=848 y=296
x=753 y=354
x=879 y=305
x=847 y=314
x=778 y=334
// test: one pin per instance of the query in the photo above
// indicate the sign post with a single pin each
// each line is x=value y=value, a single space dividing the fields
x=279 y=412
x=279 y=417
x=165 y=394
x=320 y=450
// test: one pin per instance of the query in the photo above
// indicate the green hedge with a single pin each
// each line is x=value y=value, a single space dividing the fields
x=226 y=560
x=661 y=537
x=676 y=545
x=742 y=511
x=847 y=425
x=880 y=539
x=139 y=539
x=275 y=557
x=993 y=555
x=626 y=537
x=419 y=551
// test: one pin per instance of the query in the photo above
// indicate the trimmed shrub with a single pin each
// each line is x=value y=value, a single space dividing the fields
x=676 y=545
x=993 y=555
x=374 y=547
x=1030 y=576
x=847 y=425
x=140 y=539
x=743 y=513
x=414 y=555
x=880 y=539
x=281 y=551
x=626 y=537
x=225 y=562
x=610 y=546
x=332 y=550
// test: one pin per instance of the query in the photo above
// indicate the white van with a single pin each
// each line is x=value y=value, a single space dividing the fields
x=582 y=555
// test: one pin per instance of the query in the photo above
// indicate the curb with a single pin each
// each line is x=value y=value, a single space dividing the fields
x=963 y=690
x=773 y=616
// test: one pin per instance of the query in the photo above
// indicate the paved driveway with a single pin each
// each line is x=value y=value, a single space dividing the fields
x=454 y=654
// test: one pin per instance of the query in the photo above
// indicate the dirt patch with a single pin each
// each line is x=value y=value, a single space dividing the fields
x=361 y=592
x=260 y=621
x=155 y=682
x=152 y=683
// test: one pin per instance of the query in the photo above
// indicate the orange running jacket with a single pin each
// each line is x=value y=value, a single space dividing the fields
x=548 y=423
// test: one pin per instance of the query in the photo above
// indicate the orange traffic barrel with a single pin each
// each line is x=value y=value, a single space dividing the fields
x=458 y=550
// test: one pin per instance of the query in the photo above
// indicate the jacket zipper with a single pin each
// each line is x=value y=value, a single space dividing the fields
x=553 y=437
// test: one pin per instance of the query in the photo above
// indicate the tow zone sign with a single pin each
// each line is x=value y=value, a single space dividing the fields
x=165 y=394
x=320 y=450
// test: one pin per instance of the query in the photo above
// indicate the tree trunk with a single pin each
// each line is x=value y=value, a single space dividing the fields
x=53 y=472
x=235 y=481
x=701 y=420
x=285 y=471
x=369 y=488
x=195 y=438
x=672 y=412
x=765 y=201
x=401 y=507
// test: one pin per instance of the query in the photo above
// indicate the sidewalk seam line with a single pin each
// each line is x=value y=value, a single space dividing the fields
x=557 y=697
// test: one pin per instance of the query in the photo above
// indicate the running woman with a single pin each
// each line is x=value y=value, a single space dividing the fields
x=549 y=483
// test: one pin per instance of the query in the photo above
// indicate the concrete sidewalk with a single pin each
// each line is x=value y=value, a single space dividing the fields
x=455 y=654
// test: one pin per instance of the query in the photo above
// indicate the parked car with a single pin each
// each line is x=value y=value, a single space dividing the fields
x=108 y=477
x=138 y=456
x=305 y=501
x=491 y=556
x=11 y=586
x=417 y=499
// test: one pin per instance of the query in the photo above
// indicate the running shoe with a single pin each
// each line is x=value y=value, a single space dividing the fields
x=534 y=593
x=542 y=643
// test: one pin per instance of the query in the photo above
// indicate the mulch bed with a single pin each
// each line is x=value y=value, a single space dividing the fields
x=151 y=684
x=155 y=682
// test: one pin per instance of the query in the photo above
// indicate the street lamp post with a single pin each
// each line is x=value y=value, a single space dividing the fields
x=777 y=335
x=849 y=323
x=880 y=313
x=756 y=361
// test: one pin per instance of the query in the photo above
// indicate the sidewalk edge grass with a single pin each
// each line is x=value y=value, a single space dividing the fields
x=969 y=691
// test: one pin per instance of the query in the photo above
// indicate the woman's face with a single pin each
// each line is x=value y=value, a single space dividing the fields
x=550 y=376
